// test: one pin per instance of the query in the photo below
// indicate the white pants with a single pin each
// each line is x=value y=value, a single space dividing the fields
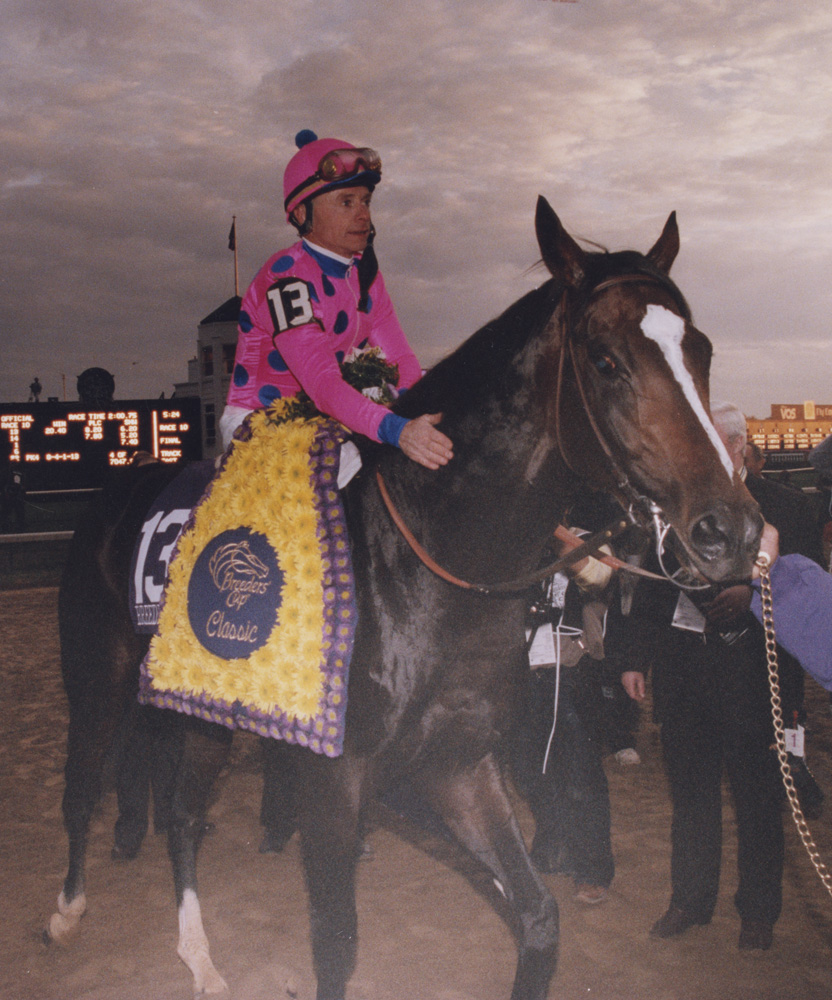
x=350 y=460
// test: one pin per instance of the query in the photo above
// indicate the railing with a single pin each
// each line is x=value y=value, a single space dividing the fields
x=36 y=536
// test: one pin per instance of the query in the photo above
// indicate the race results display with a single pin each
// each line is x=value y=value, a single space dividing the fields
x=63 y=446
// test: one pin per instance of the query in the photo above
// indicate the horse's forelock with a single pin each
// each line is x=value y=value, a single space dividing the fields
x=602 y=267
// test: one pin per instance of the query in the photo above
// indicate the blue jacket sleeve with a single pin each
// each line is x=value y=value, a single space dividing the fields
x=802 y=606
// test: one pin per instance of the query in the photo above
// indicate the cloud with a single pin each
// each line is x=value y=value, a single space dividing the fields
x=130 y=134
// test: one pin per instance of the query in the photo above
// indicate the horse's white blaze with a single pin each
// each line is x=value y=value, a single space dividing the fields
x=667 y=330
x=193 y=947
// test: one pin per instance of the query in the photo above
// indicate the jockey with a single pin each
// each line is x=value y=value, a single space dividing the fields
x=313 y=303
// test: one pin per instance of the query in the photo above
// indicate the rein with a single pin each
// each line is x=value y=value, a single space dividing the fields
x=581 y=550
x=571 y=540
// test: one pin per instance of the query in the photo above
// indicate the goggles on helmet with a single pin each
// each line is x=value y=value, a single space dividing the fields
x=337 y=166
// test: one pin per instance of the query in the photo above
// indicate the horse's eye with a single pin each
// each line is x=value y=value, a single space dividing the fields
x=605 y=364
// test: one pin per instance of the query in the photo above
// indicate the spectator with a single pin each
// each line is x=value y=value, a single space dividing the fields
x=560 y=767
x=755 y=459
x=710 y=697
x=12 y=499
x=791 y=512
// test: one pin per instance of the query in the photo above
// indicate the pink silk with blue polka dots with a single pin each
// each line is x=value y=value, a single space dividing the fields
x=298 y=319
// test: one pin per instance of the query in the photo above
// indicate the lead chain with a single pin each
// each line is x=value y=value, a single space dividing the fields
x=779 y=735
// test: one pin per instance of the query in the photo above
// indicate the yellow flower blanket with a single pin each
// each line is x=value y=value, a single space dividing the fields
x=259 y=615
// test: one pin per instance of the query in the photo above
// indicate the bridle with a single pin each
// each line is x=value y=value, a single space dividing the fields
x=641 y=510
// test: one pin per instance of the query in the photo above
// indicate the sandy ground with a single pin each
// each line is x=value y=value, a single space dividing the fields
x=426 y=928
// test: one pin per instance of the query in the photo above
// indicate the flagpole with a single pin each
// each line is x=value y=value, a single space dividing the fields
x=236 y=272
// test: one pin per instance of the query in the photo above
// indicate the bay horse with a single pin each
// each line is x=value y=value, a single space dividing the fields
x=596 y=377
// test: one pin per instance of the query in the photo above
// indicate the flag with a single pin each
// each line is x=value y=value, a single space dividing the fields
x=232 y=236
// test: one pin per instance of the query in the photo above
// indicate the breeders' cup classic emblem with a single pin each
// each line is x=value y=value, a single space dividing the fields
x=234 y=593
x=238 y=573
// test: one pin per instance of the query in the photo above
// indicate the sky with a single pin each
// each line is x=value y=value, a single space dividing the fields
x=131 y=133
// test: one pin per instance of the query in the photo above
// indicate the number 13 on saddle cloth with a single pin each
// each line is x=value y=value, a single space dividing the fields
x=258 y=621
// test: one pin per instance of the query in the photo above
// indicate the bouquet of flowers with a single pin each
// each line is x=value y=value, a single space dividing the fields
x=366 y=370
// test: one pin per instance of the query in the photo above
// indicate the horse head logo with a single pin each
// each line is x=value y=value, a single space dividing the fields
x=238 y=572
x=238 y=559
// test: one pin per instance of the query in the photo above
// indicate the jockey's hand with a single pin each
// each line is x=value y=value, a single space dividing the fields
x=633 y=683
x=422 y=442
x=769 y=545
x=729 y=605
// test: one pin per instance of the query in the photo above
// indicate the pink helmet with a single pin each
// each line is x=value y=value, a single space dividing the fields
x=322 y=164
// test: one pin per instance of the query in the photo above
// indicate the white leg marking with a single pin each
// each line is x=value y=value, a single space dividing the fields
x=66 y=920
x=193 y=947
x=667 y=330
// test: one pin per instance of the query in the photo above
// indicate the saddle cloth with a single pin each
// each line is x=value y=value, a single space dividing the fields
x=162 y=526
x=258 y=617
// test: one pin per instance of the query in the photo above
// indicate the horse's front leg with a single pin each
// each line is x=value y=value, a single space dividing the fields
x=329 y=809
x=475 y=805
x=205 y=751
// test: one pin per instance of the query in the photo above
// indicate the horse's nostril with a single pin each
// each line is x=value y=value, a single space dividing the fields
x=709 y=538
x=753 y=531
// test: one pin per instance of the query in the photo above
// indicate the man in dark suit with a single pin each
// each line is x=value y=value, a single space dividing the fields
x=710 y=696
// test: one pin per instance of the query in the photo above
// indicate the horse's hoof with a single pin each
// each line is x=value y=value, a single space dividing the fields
x=63 y=924
x=209 y=983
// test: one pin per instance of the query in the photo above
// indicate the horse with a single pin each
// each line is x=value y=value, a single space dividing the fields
x=597 y=377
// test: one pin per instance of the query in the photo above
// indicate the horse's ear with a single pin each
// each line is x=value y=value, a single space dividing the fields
x=667 y=246
x=561 y=254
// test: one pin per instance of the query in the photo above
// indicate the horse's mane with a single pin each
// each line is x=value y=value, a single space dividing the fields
x=468 y=373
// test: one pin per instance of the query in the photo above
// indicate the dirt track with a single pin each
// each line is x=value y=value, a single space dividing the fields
x=425 y=930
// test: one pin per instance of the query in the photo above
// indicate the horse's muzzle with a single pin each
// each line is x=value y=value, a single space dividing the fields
x=725 y=541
